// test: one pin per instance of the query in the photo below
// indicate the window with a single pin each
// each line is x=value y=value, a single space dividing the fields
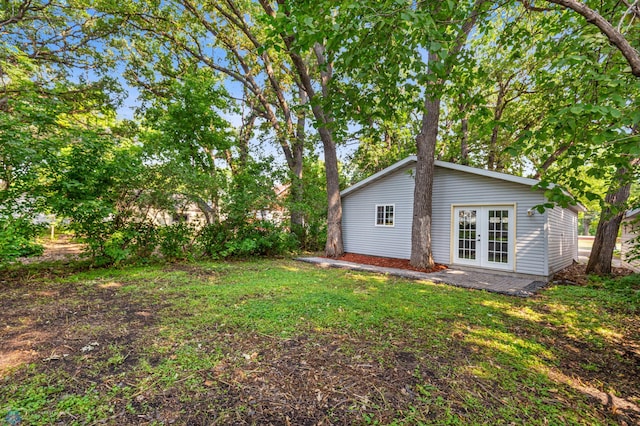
x=384 y=215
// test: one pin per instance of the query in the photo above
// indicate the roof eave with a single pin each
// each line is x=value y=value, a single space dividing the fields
x=452 y=166
x=376 y=176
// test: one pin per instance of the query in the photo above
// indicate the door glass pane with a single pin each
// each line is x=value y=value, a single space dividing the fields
x=467 y=234
x=498 y=247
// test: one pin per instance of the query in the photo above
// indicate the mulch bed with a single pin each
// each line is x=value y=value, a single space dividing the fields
x=387 y=262
x=574 y=274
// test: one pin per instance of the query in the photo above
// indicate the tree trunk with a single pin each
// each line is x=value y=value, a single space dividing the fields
x=552 y=159
x=297 y=186
x=210 y=213
x=296 y=197
x=464 y=142
x=421 y=255
x=608 y=227
x=605 y=242
x=334 y=246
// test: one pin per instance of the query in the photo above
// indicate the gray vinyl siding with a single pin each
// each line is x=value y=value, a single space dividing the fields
x=452 y=187
x=563 y=238
x=359 y=232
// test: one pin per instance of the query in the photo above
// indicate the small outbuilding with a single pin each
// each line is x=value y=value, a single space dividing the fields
x=481 y=219
x=629 y=239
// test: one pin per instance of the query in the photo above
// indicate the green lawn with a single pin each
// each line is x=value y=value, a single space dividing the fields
x=283 y=342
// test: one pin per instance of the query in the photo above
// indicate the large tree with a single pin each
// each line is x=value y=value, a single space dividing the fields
x=615 y=207
x=589 y=129
x=165 y=40
x=48 y=50
x=402 y=53
x=287 y=17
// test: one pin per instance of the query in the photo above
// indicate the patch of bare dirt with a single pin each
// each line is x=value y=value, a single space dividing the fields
x=54 y=323
x=306 y=380
x=387 y=262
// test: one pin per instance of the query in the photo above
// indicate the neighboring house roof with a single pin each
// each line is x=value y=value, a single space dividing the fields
x=631 y=213
x=282 y=190
x=459 y=167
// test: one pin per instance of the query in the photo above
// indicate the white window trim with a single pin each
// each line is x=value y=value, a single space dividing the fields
x=375 y=216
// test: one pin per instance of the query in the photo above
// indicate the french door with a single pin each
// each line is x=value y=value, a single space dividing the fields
x=484 y=236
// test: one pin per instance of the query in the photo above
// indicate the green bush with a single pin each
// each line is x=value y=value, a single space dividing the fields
x=182 y=241
x=212 y=240
x=146 y=240
x=176 y=241
x=111 y=244
x=117 y=247
x=108 y=244
x=18 y=238
x=259 y=238
x=315 y=235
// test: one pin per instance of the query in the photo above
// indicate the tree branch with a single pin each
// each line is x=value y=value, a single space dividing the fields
x=615 y=37
x=20 y=15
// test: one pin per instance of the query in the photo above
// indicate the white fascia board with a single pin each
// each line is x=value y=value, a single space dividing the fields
x=503 y=176
x=487 y=173
x=412 y=159
x=382 y=173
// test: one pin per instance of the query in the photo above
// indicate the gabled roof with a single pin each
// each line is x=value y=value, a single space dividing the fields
x=413 y=159
x=452 y=166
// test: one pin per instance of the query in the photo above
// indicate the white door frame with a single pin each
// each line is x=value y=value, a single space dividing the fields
x=484 y=230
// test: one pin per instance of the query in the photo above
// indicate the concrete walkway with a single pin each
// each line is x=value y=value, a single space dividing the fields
x=504 y=284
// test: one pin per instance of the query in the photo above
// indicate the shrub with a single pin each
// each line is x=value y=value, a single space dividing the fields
x=146 y=240
x=116 y=248
x=111 y=244
x=176 y=241
x=212 y=240
x=259 y=238
x=17 y=238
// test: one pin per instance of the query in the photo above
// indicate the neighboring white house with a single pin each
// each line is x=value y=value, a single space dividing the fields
x=630 y=231
x=481 y=219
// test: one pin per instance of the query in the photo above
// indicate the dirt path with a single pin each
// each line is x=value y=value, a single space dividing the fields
x=61 y=248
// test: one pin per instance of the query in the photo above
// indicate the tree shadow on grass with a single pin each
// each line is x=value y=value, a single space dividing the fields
x=275 y=344
x=589 y=353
